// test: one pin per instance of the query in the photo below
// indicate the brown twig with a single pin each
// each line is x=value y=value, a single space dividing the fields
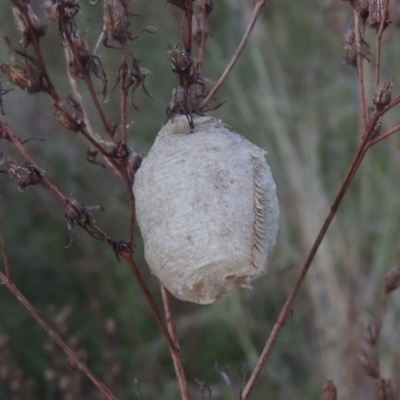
x=175 y=352
x=379 y=44
x=38 y=52
x=150 y=299
x=360 y=71
x=4 y=250
x=203 y=30
x=88 y=81
x=75 y=361
x=187 y=41
x=123 y=94
x=362 y=150
x=256 y=13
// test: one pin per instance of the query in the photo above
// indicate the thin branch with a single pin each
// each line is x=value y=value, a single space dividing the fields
x=175 y=352
x=75 y=360
x=187 y=40
x=256 y=13
x=123 y=94
x=4 y=250
x=360 y=71
x=38 y=52
x=150 y=299
x=88 y=82
x=304 y=269
x=379 y=44
x=385 y=135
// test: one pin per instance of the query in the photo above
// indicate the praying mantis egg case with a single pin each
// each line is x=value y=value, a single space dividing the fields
x=207 y=208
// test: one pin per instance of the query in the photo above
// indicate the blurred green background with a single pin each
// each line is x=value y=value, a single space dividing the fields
x=291 y=94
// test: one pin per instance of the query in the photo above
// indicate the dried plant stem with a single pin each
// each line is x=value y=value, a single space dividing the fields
x=88 y=82
x=36 y=45
x=379 y=44
x=360 y=71
x=203 y=29
x=385 y=135
x=150 y=300
x=256 y=13
x=280 y=322
x=187 y=40
x=122 y=91
x=175 y=352
x=75 y=361
x=4 y=251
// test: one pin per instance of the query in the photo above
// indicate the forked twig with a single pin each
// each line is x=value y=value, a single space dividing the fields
x=75 y=360
x=257 y=9
x=175 y=352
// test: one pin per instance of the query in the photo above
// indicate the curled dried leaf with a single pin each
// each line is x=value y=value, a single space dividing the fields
x=24 y=75
x=69 y=113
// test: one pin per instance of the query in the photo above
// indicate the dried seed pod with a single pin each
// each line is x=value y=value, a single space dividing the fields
x=181 y=60
x=370 y=363
x=329 y=391
x=207 y=209
x=24 y=75
x=376 y=11
x=38 y=29
x=25 y=175
x=116 y=21
x=350 y=48
x=69 y=114
x=383 y=95
x=392 y=281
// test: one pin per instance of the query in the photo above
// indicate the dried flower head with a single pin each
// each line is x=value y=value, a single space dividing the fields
x=376 y=11
x=181 y=60
x=370 y=363
x=69 y=114
x=28 y=28
x=87 y=61
x=24 y=174
x=77 y=214
x=116 y=21
x=25 y=75
x=329 y=391
x=392 y=281
x=383 y=95
x=384 y=390
x=351 y=51
x=62 y=10
x=134 y=77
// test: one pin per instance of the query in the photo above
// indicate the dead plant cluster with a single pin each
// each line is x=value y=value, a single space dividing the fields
x=112 y=148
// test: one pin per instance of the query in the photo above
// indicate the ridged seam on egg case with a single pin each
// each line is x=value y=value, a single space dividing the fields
x=260 y=208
